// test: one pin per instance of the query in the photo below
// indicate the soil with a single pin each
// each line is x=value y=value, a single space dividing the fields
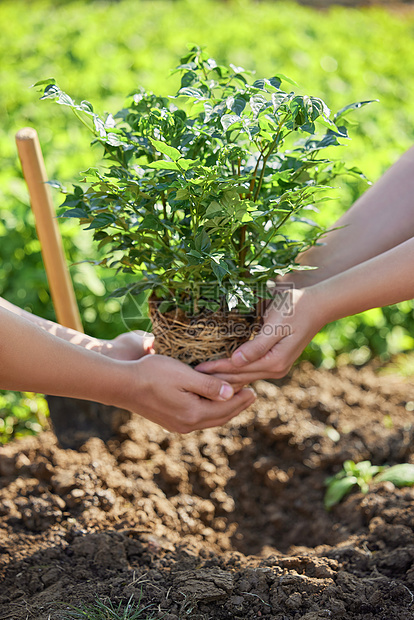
x=219 y=524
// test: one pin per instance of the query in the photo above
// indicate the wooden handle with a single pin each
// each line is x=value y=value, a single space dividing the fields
x=60 y=283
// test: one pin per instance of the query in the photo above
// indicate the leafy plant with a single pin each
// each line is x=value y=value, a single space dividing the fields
x=361 y=475
x=205 y=195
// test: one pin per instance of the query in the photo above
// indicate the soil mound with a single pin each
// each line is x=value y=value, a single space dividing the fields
x=220 y=524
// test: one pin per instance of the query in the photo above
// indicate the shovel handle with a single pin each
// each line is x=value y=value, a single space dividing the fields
x=60 y=283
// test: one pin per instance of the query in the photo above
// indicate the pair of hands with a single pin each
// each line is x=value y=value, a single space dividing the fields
x=170 y=393
x=183 y=399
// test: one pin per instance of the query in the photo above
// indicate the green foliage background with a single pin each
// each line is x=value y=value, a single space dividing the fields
x=100 y=51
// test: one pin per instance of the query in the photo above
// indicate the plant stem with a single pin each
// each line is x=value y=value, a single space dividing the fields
x=253 y=179
x=242 y=246
x=164 y=207
x=272 y=147
x=272 y=233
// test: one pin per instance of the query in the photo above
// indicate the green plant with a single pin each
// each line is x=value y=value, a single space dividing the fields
x=361 y=475
x=205 y=196
x=21 y=414
x=307 y=40
x=106 y=610
x=205 y=192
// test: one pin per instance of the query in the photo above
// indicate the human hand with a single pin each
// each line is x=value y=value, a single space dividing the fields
x=179 y=398
x=128 y=346
x=282 y=338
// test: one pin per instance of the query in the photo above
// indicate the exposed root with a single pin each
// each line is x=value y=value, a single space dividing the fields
x=208 y=336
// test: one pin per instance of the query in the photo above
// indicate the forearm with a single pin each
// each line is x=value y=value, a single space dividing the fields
x=33 y=360
x=383 y=280
x=65 y=333
x=162 y=389
x=381 y=219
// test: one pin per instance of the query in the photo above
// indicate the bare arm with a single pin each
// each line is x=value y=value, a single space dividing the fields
x=71 y=335
x=128 y=346
x=380 y=281
x=381 y=219
x=159 y=388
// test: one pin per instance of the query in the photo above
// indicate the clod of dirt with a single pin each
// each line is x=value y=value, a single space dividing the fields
x=224 y=523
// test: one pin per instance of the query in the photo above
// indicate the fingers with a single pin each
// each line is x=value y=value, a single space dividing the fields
x=146 y=341
x=270 y=333
x=217 y=414
x=214 y=366
x=148 y=345
x=258 y=347
x=238 y=381
x=208 y=386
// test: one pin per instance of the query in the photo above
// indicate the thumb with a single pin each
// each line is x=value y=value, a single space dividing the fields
x=258 y=347
x=210 y=387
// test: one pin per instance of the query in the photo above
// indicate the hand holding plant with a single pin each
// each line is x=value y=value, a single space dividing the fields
x=383 y=280
x=291 y=320
x=161 y=389
x=179 y=398
x=206 y=196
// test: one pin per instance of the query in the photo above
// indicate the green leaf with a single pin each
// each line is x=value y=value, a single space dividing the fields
x=163 y=164
x=151 y=222
x=284 y=78
x=182 y=194
x=77 y=212
x=220 y=269
x=165 y=306
x=279 y=99
x=202 y=241
x=170 y=151
x=64 y=99
x=213 y=209
x=366 y=470
x=187 y=164
x=401 y=475
x=228 y=120
x=194 y=93
x=352 y=106
x=194 y=257
x=101 y=221
x=46 y=82
x=260 y=84
x=86 y=106
x=99 y=126
x=236 y=104
x=337 y=490
x=258 y=103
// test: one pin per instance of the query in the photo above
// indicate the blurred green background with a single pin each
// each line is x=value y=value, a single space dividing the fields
x=100 y=51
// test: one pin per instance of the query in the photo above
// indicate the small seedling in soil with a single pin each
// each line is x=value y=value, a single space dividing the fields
x=105 y=610
x=362 y=475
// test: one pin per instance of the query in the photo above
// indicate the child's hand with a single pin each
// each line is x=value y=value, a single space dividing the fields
x=279 y=343
x=178 y=397
x=128 y=346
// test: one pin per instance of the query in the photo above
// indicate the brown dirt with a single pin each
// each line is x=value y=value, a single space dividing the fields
x=219 y=524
